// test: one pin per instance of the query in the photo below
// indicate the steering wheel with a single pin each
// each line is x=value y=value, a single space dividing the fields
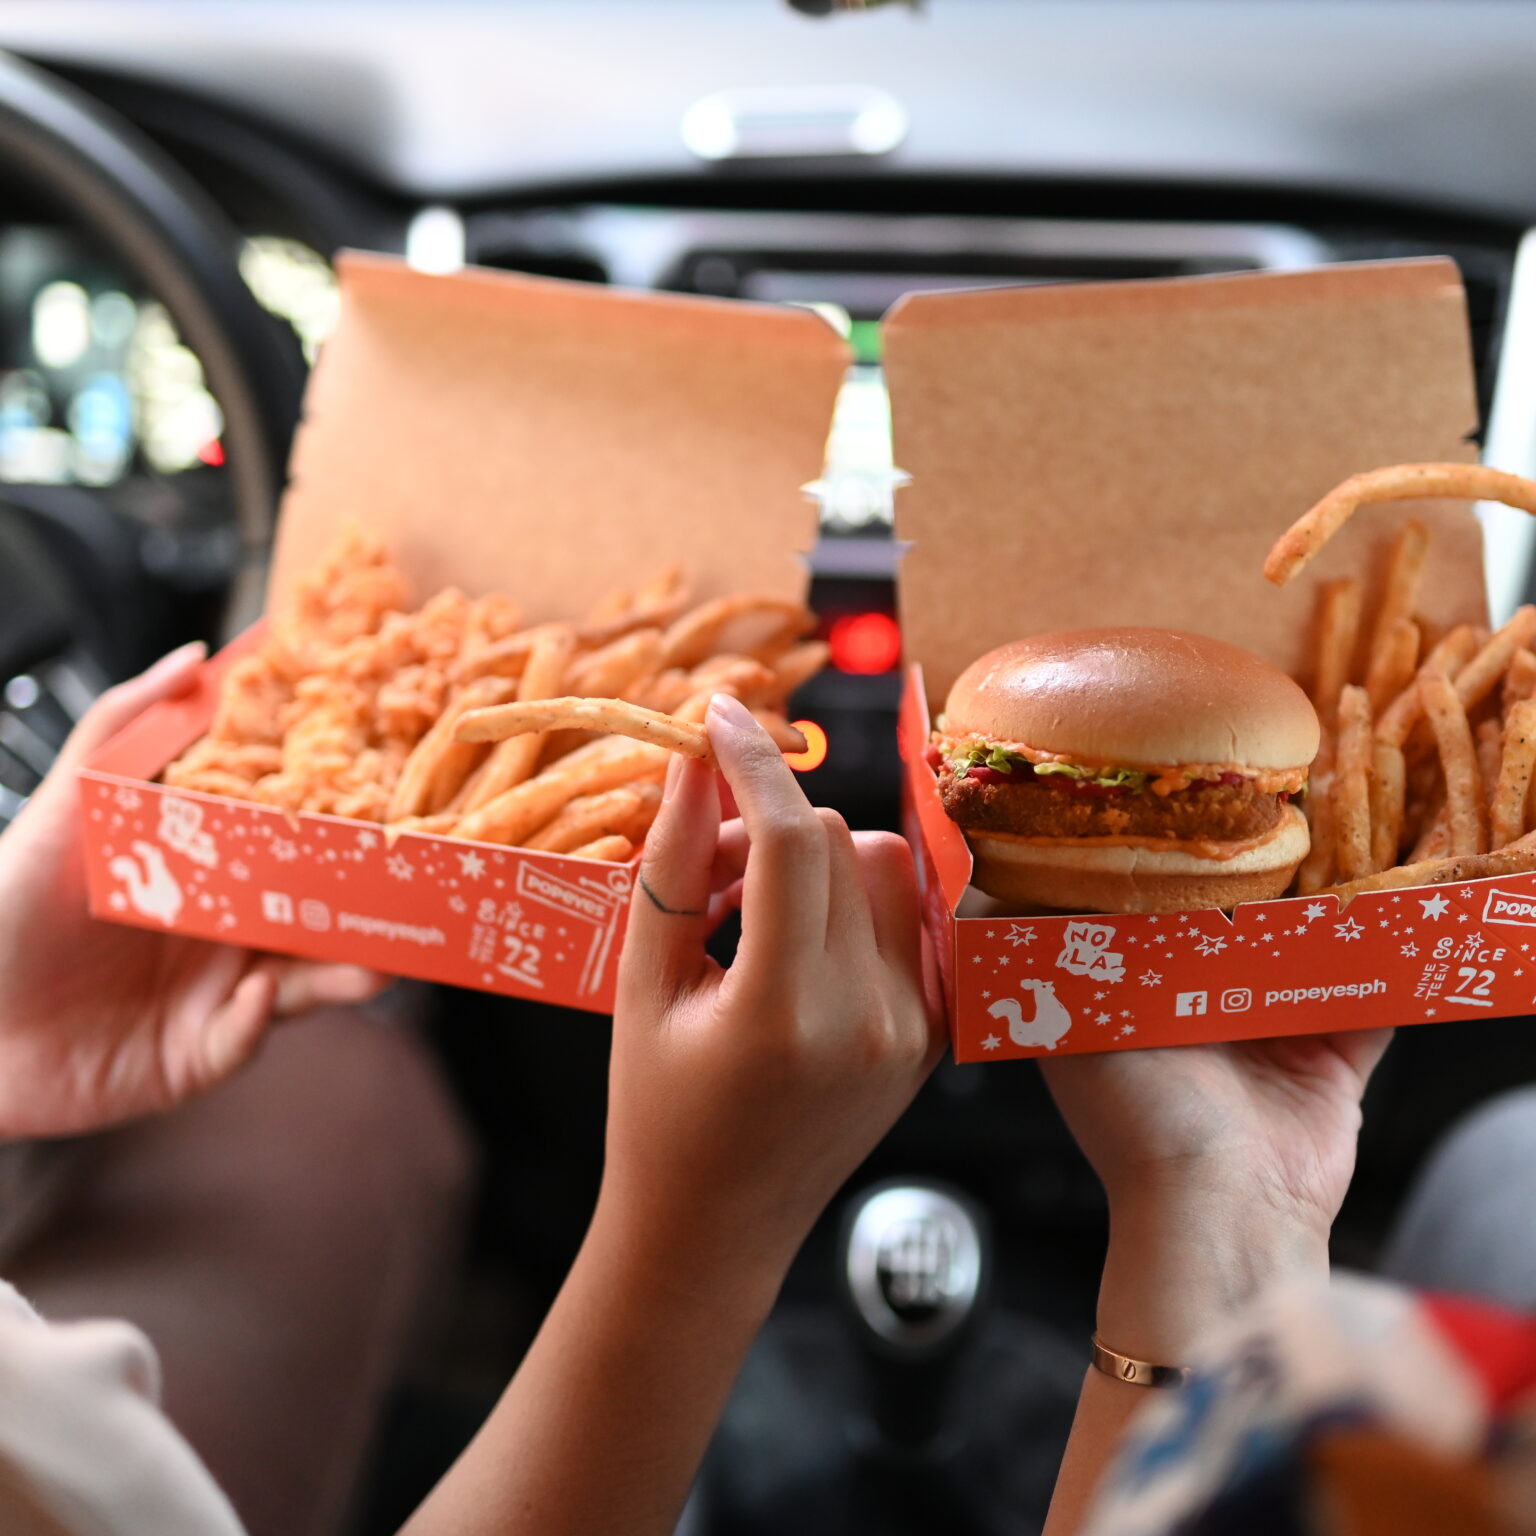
x=144 y=211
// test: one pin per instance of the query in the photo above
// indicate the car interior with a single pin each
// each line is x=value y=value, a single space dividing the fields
x=178 y=177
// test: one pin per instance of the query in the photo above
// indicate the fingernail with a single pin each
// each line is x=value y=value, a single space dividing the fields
x=674 y=775
x=192 y=650
x=729 y=710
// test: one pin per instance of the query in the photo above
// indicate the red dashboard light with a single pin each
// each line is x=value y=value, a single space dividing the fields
x=815 y=753
x=865 y=642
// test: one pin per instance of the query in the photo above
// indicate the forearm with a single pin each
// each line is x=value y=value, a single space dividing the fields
x=605 y=1423
x=1175 y=1268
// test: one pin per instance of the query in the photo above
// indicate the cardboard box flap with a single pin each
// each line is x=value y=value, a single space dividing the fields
x=552 y=440
x=1125 y=453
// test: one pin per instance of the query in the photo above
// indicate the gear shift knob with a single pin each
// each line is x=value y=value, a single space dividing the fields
x=914 y=1261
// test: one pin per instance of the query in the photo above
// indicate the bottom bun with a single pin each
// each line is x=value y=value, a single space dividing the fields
x=1095 y=877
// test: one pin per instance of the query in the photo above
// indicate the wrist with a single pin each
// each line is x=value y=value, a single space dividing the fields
x=1180 y=1264
x=676 y=1263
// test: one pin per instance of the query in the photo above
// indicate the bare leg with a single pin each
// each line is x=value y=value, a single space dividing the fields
x=276 y=1240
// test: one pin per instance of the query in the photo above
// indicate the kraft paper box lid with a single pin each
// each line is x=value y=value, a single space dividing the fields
x=1125 y=453
x=552 y=440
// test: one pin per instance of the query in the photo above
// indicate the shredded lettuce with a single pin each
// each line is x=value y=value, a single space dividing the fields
x=1116 y=778
x=984 y=755
x=1000 y=758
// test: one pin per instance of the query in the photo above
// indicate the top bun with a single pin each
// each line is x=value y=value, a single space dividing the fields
x=1138 y=698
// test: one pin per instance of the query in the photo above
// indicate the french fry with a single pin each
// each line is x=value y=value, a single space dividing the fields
x=701 y=630
x=665 y=691
x=1388 y=791
x=784 y=736
x=1488 y=739
x=1520 y=679
x=1517 y=858
x=799 y=664
x=589 y=817
x=438 y=759
x=611 y=669
x=1463 y=782
x=1338 y=632
x=743 y=676
x=501 y=658
x=1400 y=589
x=1512 y=789
x=1397 y=721
x=513 y=761
x=1318 y=867
x=1351 y=785
x=1435 y=840
x=1399 y=482
x=608 y=850
x=613 y=604
x=525 y=808
x=1394 y=659
x=1482 y=674
x=611 y=716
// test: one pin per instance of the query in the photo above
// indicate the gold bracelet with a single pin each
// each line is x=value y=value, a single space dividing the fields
x=1137 y=1373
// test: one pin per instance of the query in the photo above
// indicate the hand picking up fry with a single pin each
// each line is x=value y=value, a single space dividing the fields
x=460 y=719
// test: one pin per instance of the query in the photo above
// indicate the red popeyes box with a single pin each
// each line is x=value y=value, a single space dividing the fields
x=1126 y=453
x=542 y=439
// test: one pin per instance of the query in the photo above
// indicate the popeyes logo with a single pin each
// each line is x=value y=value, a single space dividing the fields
x=1085 y=952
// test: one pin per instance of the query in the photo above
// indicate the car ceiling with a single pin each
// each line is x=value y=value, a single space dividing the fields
x=1423 y=99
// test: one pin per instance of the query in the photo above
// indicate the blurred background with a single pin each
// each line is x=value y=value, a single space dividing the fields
x=178 y=176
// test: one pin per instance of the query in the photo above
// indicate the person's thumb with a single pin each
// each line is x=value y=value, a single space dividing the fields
x=170 y=676
x=669 y=916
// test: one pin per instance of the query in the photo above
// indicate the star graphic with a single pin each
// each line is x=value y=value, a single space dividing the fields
x=975 y=959
x=1474 y=940
x=1434 y=906
x=1102 y=1018
x=399 y=867
x=1301 y=928
x=1002 y=959
x=239 y=870
x=1396 y=900
x=986 y=994
x=1151 y=979
x=1266 y=938
x=226 y=920
x=1314 y=909
x=1099 y=997
x=1461 y=917
x=283 y=850
x=1211 y=945
x=1160 y=938
x=1127 y=1029
x=1237 y=938
x=1467 y=893
x=127 y=799
x=1019 y=933
x=1429 y=1013
x=1384 y=922
x=991 y=1043
x=117 y=901
x=471 y=865
x=1519 y=970
x=1154 y=919
x=1410 y=950
x=1125 y=1013
x=1348 y=929
x=991 y=933
x=367 y=839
